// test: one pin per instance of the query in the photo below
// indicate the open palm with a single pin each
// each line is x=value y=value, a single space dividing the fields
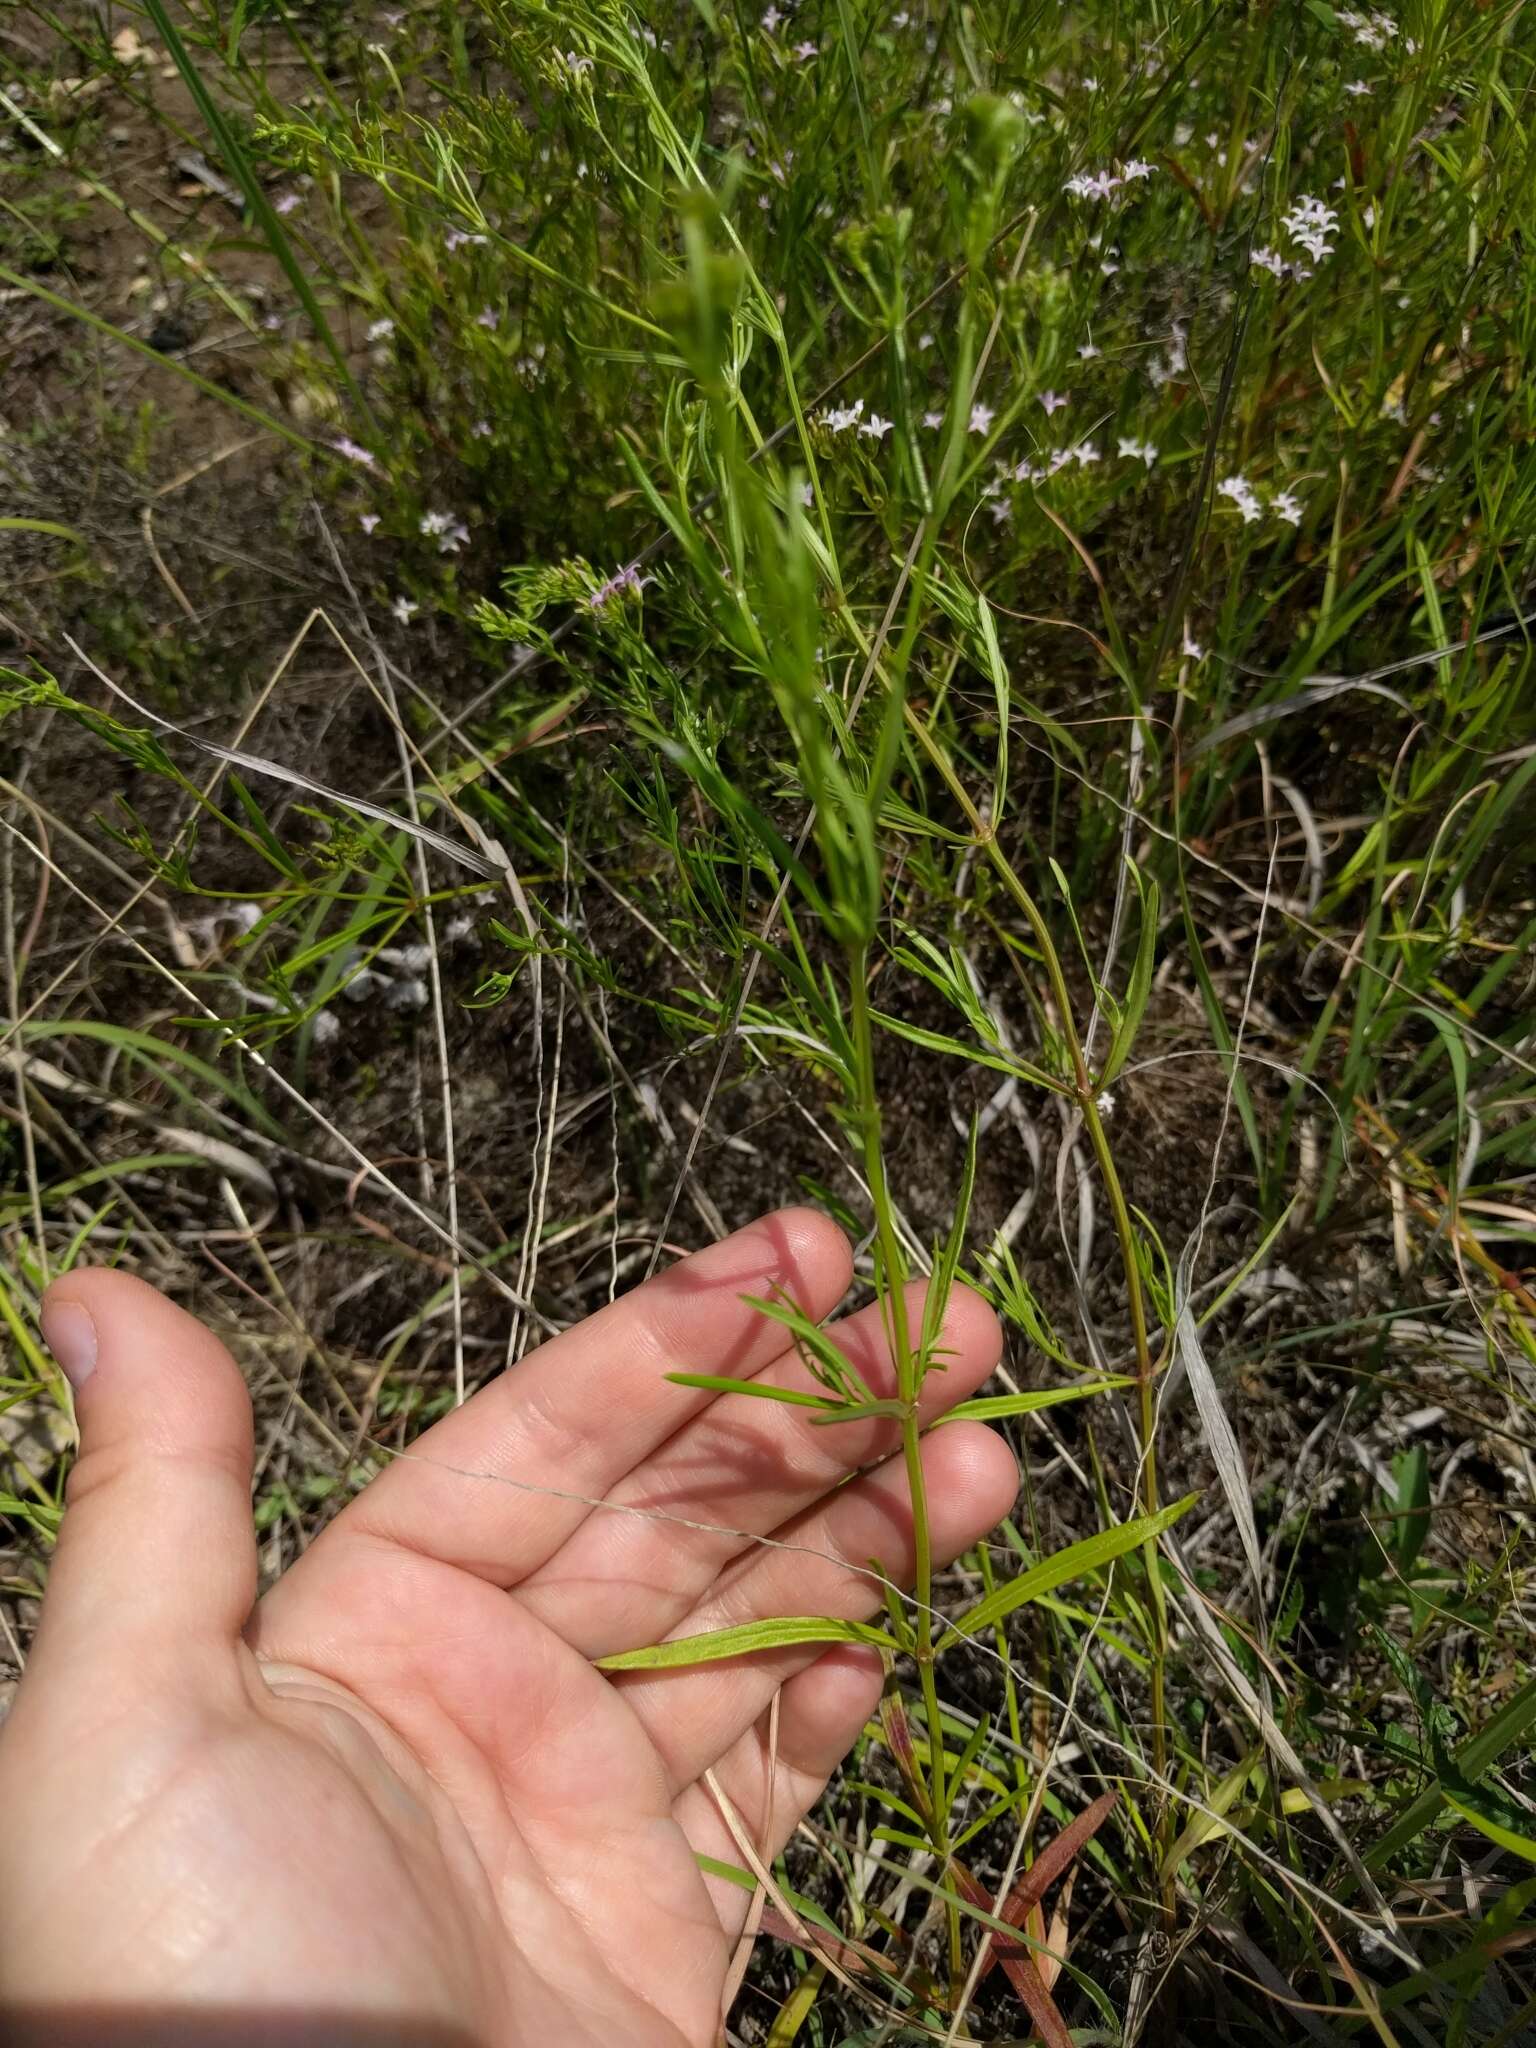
x=395 y=1802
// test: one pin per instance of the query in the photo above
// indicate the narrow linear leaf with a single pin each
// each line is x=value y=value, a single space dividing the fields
x=716 y=1383
x=993 y=1407
x=786 y=1632
x=1072 y=1563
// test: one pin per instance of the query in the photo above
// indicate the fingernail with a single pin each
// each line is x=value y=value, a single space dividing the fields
x=71 y=1337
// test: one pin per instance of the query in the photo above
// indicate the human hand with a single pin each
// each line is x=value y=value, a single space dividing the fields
x=393 y=1802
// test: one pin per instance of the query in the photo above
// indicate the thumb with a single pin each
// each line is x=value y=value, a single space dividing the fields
x=156 y=1551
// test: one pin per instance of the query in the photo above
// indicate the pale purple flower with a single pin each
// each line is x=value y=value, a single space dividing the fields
x=1085 y=453
x=285 y=202
x=1268 y=259
x=481 y=430
x=771 y=20
x=488 y=318
x=981 y=418
x=933 y=421
x=368 y=521
x=1137 y=168
x=875 y=428
x=806 y=51
x=353 y=451
x=1002 y=511
x=1358 y=89
x=1191 y=650
x=627 y=578
x=1093 y=185
x=1054 y=401
x=577 y=65
x=1139 y=451
x=405 y=609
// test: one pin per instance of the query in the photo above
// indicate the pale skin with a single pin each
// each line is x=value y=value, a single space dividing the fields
x=393 y=1802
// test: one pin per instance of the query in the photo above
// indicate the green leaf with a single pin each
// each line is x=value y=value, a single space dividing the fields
x=993 y=1407
x=1490 y=1813
x=244 y=174
x=20 y=525
x=745 y=1640
x=1507 y=1727
x=1134 y=1004
x=1072 y=1563
x=717 y=1383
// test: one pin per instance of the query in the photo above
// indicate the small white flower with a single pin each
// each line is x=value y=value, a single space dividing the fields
x=875 y=428
x=380 y=330
x=981 y=418
x=1087 y=352
x=344 y=445
x=1136 y=168
x=1191 y=650
x=1090 y=85
x=925 y=341
x=285 y=202
x=1105 y=1105
x=1054 y=401
x=1358 y=89
x=806 y=52
x=488 y=318
x=450 y=534
x=460 y=238
x=1243 y=496
x=771 y=20
x=481 y=430
x=1287 y=506
x=1085 y=453
x=841 y=417
x=368 y=521
x=1141 y=451
x=405 y=609
x=933 y=421
x=1002 y=511
x=577 y=65
x=1268 y=259
x=807 y=495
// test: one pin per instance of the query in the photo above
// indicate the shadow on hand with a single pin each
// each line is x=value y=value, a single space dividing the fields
x=112 y=2026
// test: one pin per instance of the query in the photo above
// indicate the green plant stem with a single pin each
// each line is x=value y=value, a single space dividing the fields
x=1086 y=1095
x=908 y=1386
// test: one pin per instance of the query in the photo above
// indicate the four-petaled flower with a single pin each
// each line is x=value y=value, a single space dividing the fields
x=405 y=609
x=875 y=428
x=981 y=418
x=1054 y=401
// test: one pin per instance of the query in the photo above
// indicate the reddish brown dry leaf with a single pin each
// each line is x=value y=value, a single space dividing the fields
x=853 y=1956
x=1019 y=1967
x=1043 y=1873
